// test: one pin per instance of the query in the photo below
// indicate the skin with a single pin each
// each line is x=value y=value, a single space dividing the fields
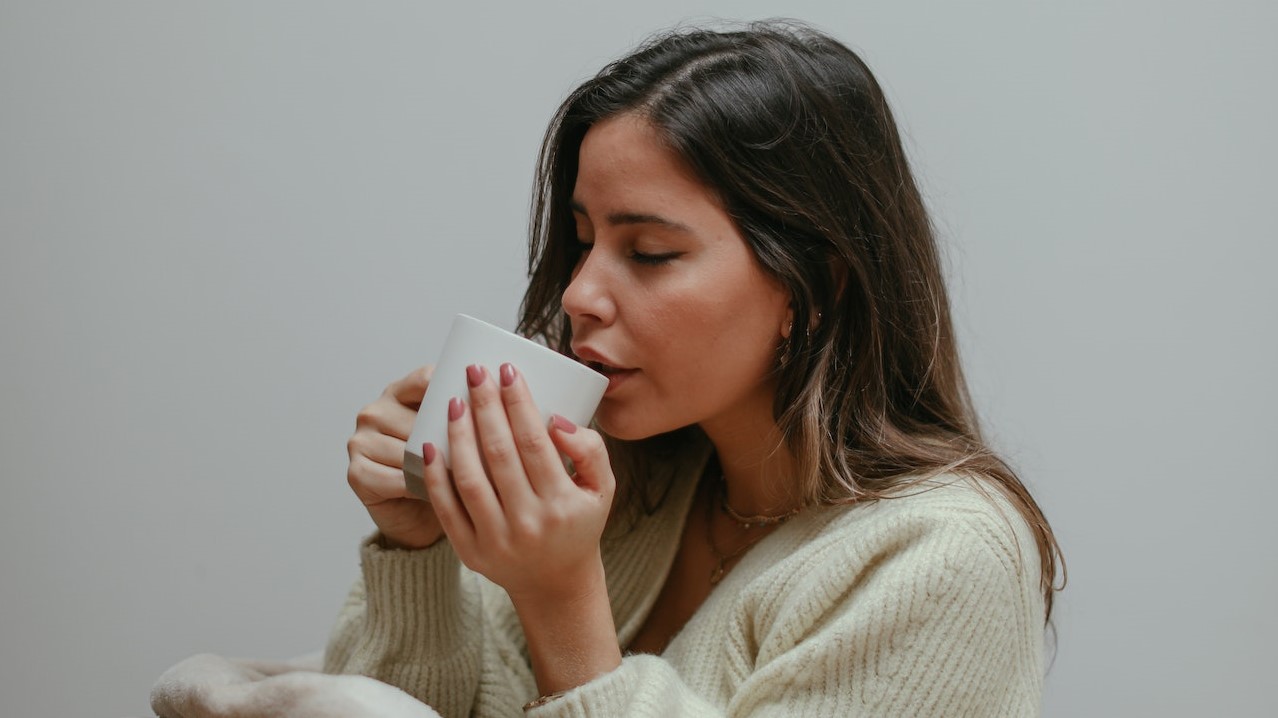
x=668 y=291
x=376 y=469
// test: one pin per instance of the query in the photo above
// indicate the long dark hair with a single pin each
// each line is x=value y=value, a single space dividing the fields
x=791 y=130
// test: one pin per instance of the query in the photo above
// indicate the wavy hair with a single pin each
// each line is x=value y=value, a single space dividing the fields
x=792 y=132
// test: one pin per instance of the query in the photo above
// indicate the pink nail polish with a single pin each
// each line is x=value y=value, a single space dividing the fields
x=475 y=375
x=507 y=374
x=456 y=407
x=428 y=453
x=562 y=424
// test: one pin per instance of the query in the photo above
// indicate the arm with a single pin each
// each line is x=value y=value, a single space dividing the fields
x=931 y=616
x=419 y=621
x=416 y=619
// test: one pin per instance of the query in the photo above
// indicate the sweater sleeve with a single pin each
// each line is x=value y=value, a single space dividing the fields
x=420 y=621
x=930 y=618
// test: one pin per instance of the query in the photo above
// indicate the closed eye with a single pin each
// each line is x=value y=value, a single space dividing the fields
x=654 y=259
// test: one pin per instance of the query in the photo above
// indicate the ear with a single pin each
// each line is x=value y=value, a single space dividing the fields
x=787 y=323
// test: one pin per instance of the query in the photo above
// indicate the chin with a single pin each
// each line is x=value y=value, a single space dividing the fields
x=622 y=425
x=629 y=427
x=622 y=431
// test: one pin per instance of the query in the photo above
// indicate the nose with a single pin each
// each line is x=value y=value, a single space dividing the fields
x=587 y=297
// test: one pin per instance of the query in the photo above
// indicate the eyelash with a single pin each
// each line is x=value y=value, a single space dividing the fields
x=653 y=259
x=649 y=260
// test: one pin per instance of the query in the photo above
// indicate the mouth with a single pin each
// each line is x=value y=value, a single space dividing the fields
x=617 y=375
x=606 y=369
x=597 y=361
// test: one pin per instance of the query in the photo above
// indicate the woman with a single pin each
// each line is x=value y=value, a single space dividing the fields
x=806 y=519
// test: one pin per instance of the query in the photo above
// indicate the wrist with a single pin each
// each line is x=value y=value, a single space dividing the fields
x=571 y=635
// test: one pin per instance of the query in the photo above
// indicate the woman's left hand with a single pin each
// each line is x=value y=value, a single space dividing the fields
x=511 y=510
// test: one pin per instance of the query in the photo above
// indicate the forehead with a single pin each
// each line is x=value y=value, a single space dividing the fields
x=624 y=160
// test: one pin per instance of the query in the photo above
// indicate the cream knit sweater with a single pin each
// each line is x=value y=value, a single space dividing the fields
x=924 y=605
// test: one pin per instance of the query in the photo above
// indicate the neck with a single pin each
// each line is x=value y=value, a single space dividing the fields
x=758 y=469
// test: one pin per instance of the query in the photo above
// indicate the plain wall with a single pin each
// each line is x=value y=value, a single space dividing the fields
x=224 y=227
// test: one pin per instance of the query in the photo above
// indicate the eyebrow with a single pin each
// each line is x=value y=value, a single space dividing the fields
x=619 y=218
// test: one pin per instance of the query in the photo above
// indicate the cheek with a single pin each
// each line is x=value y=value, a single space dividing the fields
x=712 y=344
x=678 y=331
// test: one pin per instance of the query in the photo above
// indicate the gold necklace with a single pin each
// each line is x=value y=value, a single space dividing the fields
x=722 y=559
x=753 y=521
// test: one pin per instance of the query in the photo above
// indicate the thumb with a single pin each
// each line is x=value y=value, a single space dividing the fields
x=585 y=448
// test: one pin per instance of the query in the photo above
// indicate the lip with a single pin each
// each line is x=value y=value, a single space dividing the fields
x=610 y=368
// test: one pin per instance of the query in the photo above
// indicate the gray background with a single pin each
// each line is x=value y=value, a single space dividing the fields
x=227 y=226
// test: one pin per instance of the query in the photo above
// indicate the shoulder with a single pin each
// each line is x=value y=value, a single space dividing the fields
x=927 y=603
x=949 y=516
x=949 y=543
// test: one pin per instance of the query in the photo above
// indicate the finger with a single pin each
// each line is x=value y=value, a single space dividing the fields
x=469 y=479
x=496 y=442
x=448 y=507
x=379 y=448
x=387 y=416
x=589 y=456
x=545 y=469
x=374 y=483
x=410 y=390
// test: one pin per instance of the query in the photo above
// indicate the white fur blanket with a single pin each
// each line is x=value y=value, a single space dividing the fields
x=208 y=686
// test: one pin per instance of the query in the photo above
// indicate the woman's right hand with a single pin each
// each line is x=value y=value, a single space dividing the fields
x=376 y=471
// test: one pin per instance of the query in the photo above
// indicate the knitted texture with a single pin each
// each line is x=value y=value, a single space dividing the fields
x=927 y=604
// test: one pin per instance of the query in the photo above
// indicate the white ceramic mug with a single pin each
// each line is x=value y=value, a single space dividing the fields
x=558 y=384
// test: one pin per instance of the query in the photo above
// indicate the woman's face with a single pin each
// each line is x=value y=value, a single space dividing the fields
x=667 y=299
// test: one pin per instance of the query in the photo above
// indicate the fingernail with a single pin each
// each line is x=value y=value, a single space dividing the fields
x=428 y=453
x=475 y=375
x=507 y=374
x=562 y=424
x=455 y=408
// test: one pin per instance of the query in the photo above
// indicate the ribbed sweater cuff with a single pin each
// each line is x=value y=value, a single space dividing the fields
x=641 y=685
x=416 y=611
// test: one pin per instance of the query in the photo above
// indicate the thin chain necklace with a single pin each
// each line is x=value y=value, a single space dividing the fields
x=748 y=522
x=722 y=560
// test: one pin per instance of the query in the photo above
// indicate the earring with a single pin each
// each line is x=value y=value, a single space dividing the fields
x=808 y=332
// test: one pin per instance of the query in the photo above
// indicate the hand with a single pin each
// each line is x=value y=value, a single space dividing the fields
x=514 y=514
x=511 y=510
x=376 y=471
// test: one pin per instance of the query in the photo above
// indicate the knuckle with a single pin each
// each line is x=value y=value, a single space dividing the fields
x=470 y=560
x=595 y=445
x=468 y=486
x=499 y=451
x=393 y=388
x=528 y=441
x=482 y=396
x=525 y=528
x=592 y=437
x=555 y=517
x=354 y=477
x=481 y=399
x=368 y=415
